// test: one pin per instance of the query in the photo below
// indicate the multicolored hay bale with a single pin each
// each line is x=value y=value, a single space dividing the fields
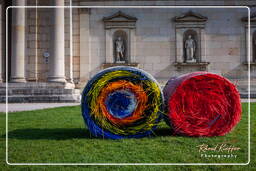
x=202 y=104
x=122 y=102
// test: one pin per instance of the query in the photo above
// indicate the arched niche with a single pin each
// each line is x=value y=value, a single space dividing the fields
x=120 y=25
x=252 y=34
x=254 y=46
x=194 y=36
x=193 y=24
x=124 y=37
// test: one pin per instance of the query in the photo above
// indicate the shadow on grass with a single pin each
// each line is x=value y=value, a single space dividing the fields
x=169 y=132
x=65 y=133
x=50 y=134
x=163 y=132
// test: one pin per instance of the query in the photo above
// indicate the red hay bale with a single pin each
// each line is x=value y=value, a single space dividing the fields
x=202 y=104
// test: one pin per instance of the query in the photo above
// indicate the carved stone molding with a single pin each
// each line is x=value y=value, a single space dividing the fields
x=201 y=66
x=107 y=65
x=252 y=18
x=190 y=19
x=251 y=64
x=119 y=20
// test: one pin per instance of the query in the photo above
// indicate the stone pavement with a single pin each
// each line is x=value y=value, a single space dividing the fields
x=14 y=107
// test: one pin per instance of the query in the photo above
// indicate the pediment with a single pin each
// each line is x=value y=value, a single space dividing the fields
x=120 y=17
x=252 y=18
x=190 y=17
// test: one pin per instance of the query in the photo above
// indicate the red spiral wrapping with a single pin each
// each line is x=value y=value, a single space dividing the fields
x=202 y=104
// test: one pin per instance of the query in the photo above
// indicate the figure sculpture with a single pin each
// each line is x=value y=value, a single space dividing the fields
x=190 y=49
x=254 y=48
x=119 y=50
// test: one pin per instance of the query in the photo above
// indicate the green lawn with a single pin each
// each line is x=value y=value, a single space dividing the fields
x=59 y=136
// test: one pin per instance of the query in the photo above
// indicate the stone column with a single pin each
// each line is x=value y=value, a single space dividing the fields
x=248 y=58
x=18 y=42
x=133 y=46
x=179 y=45
x=70 y=73
x=203 y=46
x=109 y=46
x=1 y=42
x=57 y=51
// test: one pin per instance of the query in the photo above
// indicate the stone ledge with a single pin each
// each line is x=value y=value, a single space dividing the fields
x=251 y=63
x=201 y=65
x=245 y=95
x=191 y=64
x=107 y=65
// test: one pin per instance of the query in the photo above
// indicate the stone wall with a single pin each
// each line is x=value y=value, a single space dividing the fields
x=76 y=42
x=38 y=41
x=155 y=40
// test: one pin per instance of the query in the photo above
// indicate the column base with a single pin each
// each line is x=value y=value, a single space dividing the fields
x=57 y=79
x=17 y=80
x=69 y=85
x=69 y=80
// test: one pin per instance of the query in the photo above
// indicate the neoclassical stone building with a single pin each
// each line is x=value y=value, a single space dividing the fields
x=51 y=53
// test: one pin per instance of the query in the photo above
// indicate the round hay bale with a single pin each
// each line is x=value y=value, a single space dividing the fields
x=122 y=102
x=202 y=104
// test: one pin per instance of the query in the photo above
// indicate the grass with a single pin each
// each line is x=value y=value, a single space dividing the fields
x=59 y=136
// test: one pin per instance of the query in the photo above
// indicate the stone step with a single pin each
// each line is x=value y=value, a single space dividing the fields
x=41 y=98
x=245 y=95
x=38 y=91
x=37 y=85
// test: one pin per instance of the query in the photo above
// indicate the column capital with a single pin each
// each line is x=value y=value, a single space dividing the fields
x=84 y=10
x=19 y=2
x=58 y=2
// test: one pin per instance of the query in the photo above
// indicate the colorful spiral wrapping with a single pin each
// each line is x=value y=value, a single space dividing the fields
x=122 y=102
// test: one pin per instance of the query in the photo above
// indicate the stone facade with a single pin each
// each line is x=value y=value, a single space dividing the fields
x=155 y=40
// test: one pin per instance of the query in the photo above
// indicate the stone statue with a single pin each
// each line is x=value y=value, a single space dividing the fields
x=190 y=48
x=254 y=49
x=119 y=50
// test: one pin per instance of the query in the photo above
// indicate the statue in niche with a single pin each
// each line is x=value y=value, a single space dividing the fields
x=254 y=48
x=119 y=44
x=190 y=49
